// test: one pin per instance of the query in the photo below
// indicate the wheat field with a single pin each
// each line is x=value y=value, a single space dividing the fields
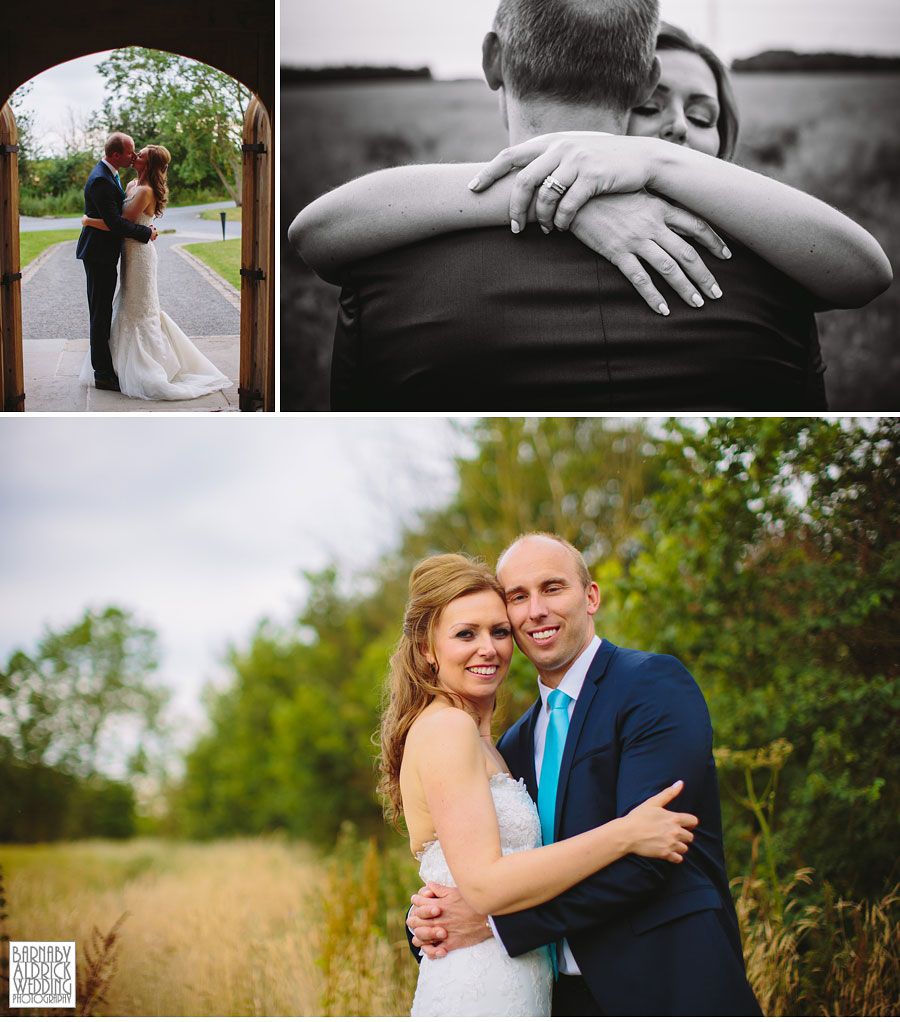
x=227 y=928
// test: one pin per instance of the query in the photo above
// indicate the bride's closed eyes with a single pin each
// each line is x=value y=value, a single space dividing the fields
x=685 y=106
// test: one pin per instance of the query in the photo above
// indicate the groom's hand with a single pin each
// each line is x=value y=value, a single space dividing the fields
x=441 y=921
x=153 y=234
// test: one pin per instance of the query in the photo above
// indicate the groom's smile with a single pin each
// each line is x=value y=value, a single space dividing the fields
x=549 y=606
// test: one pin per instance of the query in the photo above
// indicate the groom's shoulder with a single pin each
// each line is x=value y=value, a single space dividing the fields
x=639 y=673
x=646 y=664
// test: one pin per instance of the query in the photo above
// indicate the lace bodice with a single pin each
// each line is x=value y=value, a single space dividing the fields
x=483 y=979
x=520 y=829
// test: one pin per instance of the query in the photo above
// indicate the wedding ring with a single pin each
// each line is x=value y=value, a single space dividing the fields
x=551 y=182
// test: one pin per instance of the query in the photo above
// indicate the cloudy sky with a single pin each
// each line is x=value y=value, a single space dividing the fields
x=446 y=35
x=201 y=525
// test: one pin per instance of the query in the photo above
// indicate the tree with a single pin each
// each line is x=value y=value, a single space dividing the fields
x=194 y=110
x=81 y=697
x=60 y=706
x=770 y=565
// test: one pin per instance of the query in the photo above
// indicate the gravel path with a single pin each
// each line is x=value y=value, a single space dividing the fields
x=56 y=325
x=54 y=295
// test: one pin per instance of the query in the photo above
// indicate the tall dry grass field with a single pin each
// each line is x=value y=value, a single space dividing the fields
x=833 y=135
x=228 y=928
x=262 y=927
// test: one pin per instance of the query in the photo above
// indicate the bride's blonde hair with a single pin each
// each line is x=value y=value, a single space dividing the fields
x=412 y=683
x=158 y=158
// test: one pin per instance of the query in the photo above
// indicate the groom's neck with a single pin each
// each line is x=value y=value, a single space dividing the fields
x=540 y=117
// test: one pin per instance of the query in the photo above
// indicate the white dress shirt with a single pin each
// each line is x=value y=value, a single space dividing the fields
x=571 y=684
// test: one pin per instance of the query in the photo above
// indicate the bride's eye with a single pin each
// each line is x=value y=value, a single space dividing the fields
x=645 y=111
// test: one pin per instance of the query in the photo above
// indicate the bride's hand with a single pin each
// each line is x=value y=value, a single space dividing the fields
x=581 y=164
x=639 y=230
x=84 y=220
x=658 y=833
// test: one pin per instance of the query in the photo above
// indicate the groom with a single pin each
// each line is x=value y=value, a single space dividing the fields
x=99 y=250
x=642 y=936
x=480 y=320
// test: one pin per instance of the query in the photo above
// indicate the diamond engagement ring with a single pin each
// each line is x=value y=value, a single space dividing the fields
x=551 y=182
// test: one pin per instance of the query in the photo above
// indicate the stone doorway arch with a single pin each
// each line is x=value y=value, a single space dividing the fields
x=235 y=36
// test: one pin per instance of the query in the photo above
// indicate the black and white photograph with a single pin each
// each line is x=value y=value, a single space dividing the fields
x=744 y=270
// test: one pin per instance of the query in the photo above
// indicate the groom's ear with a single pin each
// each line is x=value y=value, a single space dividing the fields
x=649 y=86
x=492 y=61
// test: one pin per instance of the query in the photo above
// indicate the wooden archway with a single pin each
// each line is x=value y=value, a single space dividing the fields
x=235 y=36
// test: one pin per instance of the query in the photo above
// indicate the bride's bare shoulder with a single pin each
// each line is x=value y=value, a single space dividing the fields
x=441 y=725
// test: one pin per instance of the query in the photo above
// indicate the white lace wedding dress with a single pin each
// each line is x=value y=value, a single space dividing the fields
x=484 y=980
x=151 y=355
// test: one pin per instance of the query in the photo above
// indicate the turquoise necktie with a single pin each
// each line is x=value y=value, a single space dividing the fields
x=557 y=728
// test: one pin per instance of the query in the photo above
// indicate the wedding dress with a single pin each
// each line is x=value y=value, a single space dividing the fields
x=484 y=980
x=151 y=355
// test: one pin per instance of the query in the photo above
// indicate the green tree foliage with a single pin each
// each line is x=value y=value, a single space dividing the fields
x=770 y=566
x=192 y=109
x=62 y=708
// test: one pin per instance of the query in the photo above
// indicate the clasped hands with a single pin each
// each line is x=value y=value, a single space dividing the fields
x=606 y=202
x=441 y=921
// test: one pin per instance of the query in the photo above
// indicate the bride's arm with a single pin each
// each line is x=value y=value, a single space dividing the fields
x=828 y=253
x=402 y=205
x=136 y=203
x=390 y=208
x=465 y=821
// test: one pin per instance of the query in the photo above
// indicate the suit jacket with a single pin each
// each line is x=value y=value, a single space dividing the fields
x=480 y=320
x=650 y=937
x=104 y=198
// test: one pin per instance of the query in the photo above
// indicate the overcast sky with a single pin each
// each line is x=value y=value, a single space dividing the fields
x=201 y=525
x=446 y=35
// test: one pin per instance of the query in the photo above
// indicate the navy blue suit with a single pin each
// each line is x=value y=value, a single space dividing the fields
x=650 y=937
x=99 y=251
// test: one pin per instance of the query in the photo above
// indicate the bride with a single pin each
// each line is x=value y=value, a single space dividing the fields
x=471 y=825
x=151 y=355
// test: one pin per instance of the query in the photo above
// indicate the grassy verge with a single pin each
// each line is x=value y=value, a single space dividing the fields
x=224 y=257
x=32 y=243
x=232 y=214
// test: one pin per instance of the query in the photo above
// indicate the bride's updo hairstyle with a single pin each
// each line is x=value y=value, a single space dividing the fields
x=158 y=158
x=412 y=683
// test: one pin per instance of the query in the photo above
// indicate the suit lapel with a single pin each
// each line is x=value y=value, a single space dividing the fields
x=526 y=749
x=579 y=715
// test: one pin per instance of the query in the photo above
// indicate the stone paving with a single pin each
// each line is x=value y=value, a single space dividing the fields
x=55 y=325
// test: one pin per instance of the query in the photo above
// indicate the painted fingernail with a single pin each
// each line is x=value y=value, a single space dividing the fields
x=726 y=251
x=696 y=300
x=664 y=309
x=716 y=291
x=473 y=183
x=514 y=226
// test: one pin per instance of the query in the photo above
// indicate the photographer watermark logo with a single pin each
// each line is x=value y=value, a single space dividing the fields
x=42 y=974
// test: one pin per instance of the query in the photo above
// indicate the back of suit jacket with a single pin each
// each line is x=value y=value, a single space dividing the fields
x=482 y=320
x=650 y=937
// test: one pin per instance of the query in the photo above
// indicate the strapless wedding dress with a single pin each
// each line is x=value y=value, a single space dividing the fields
x=153 y=358
x=484 y=980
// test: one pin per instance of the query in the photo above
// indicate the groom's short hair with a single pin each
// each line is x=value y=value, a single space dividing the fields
x=116 y=143
x=581 y=567
x=578 y=51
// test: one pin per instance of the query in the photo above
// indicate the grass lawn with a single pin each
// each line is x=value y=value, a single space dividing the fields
x=232 y=214
x=32 y=243
x=224 y=257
